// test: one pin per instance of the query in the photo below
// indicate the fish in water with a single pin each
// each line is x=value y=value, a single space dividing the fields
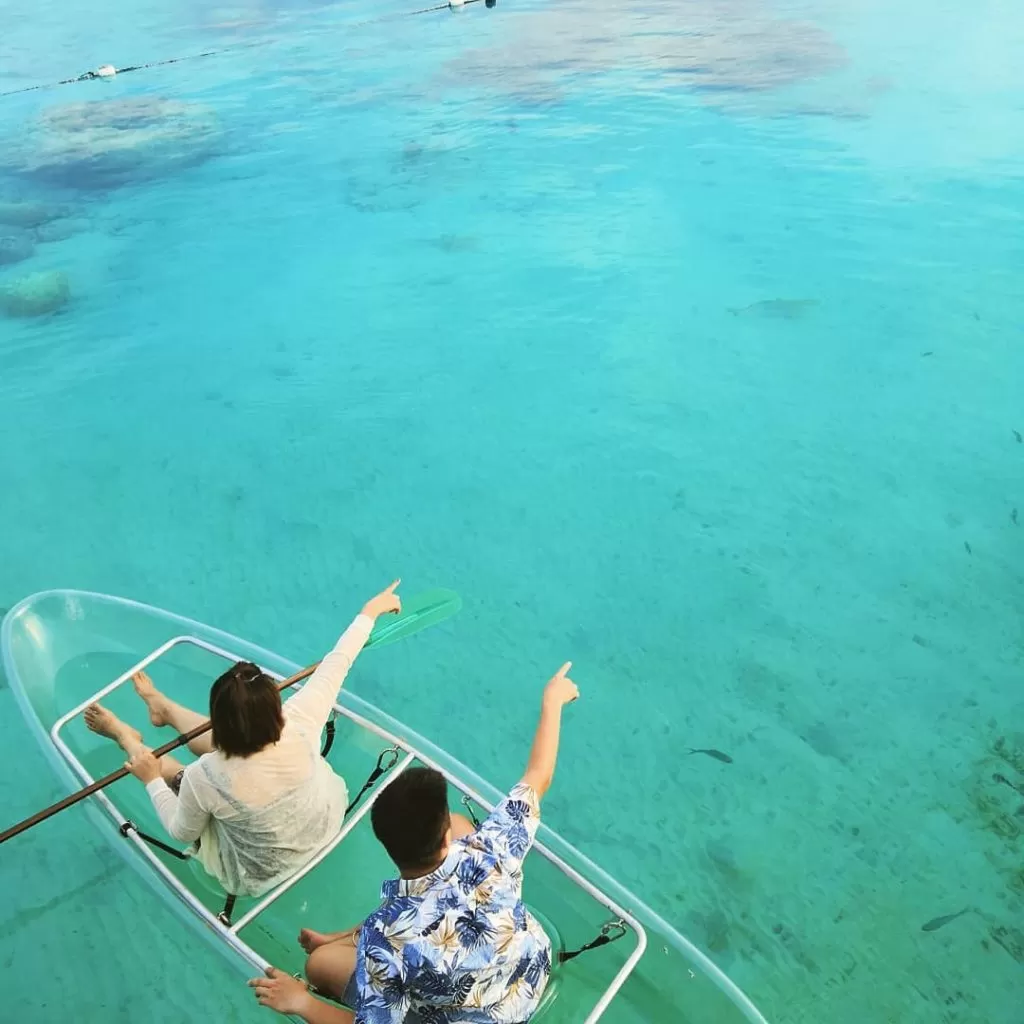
x=1006 y=782
x=940 y=922
x=967 y=548
x=716 y=754
x=1013 y=517
x=1020 y=439
x=776 y=309
x=928 y=353
x=455 y=243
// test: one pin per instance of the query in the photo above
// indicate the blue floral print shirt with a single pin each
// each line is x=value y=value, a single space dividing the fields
x=458 y=946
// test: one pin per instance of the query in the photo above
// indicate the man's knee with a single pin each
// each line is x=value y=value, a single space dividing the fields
x=318 y=967
x=328 y=969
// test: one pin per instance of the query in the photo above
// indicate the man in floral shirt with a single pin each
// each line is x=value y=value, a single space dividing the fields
x=452 y=942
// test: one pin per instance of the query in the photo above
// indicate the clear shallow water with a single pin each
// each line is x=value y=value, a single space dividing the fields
x=615 y=320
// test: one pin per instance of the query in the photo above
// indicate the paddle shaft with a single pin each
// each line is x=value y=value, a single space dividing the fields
x=95 y=787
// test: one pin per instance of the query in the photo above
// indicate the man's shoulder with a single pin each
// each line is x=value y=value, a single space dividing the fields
x=511 y=826
x=519 y=806
x=522 y=801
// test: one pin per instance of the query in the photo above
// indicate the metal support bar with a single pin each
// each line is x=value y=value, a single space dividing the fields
x=119 y=681
x=231 y=934
x=173 y=883
x=349 y=825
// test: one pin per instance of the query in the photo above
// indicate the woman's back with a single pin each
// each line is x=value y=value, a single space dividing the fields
x=271 y=811
x=265 y=815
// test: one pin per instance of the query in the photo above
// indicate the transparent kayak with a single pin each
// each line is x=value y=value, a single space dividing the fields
x=62 y=649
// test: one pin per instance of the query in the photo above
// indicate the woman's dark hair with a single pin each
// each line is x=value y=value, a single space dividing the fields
x=245 y=710
x=410 y=818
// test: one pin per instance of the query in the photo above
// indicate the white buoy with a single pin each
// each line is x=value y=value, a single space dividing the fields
x=453 y=4
x=106 y=71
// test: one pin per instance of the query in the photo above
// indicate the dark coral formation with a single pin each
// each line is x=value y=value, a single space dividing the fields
x=722 y=47
x=114 y=142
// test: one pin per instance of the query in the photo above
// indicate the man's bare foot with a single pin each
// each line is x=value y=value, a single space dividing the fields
x=106 y=723
x=310 y=940
x=155 y=701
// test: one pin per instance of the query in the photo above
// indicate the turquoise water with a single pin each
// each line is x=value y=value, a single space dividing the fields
x=682 y=340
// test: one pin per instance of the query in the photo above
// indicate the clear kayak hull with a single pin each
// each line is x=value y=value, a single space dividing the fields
x=61 y=648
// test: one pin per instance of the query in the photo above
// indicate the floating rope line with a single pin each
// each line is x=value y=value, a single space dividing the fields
x=109 y=71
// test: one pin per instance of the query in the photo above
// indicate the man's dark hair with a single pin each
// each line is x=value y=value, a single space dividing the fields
x=245 y=710
x=410 y=818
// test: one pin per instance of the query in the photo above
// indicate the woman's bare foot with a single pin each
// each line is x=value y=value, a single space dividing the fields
x=106 y=723
x=155 y=701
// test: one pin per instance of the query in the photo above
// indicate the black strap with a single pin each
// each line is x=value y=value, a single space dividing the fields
x=609 y=933
x=225 y=915
x=329 y=730
x=383 y=765
x=130 y=826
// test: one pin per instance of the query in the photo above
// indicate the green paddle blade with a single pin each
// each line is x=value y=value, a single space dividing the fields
x=424 y=610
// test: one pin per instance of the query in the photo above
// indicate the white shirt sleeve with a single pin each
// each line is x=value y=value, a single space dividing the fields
x=183 y=816
x=313 y=703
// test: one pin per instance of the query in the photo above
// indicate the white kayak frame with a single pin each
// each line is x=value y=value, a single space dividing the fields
x=229 y=932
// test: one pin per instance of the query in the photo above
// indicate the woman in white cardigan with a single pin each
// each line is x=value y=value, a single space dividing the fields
x=260 y=800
